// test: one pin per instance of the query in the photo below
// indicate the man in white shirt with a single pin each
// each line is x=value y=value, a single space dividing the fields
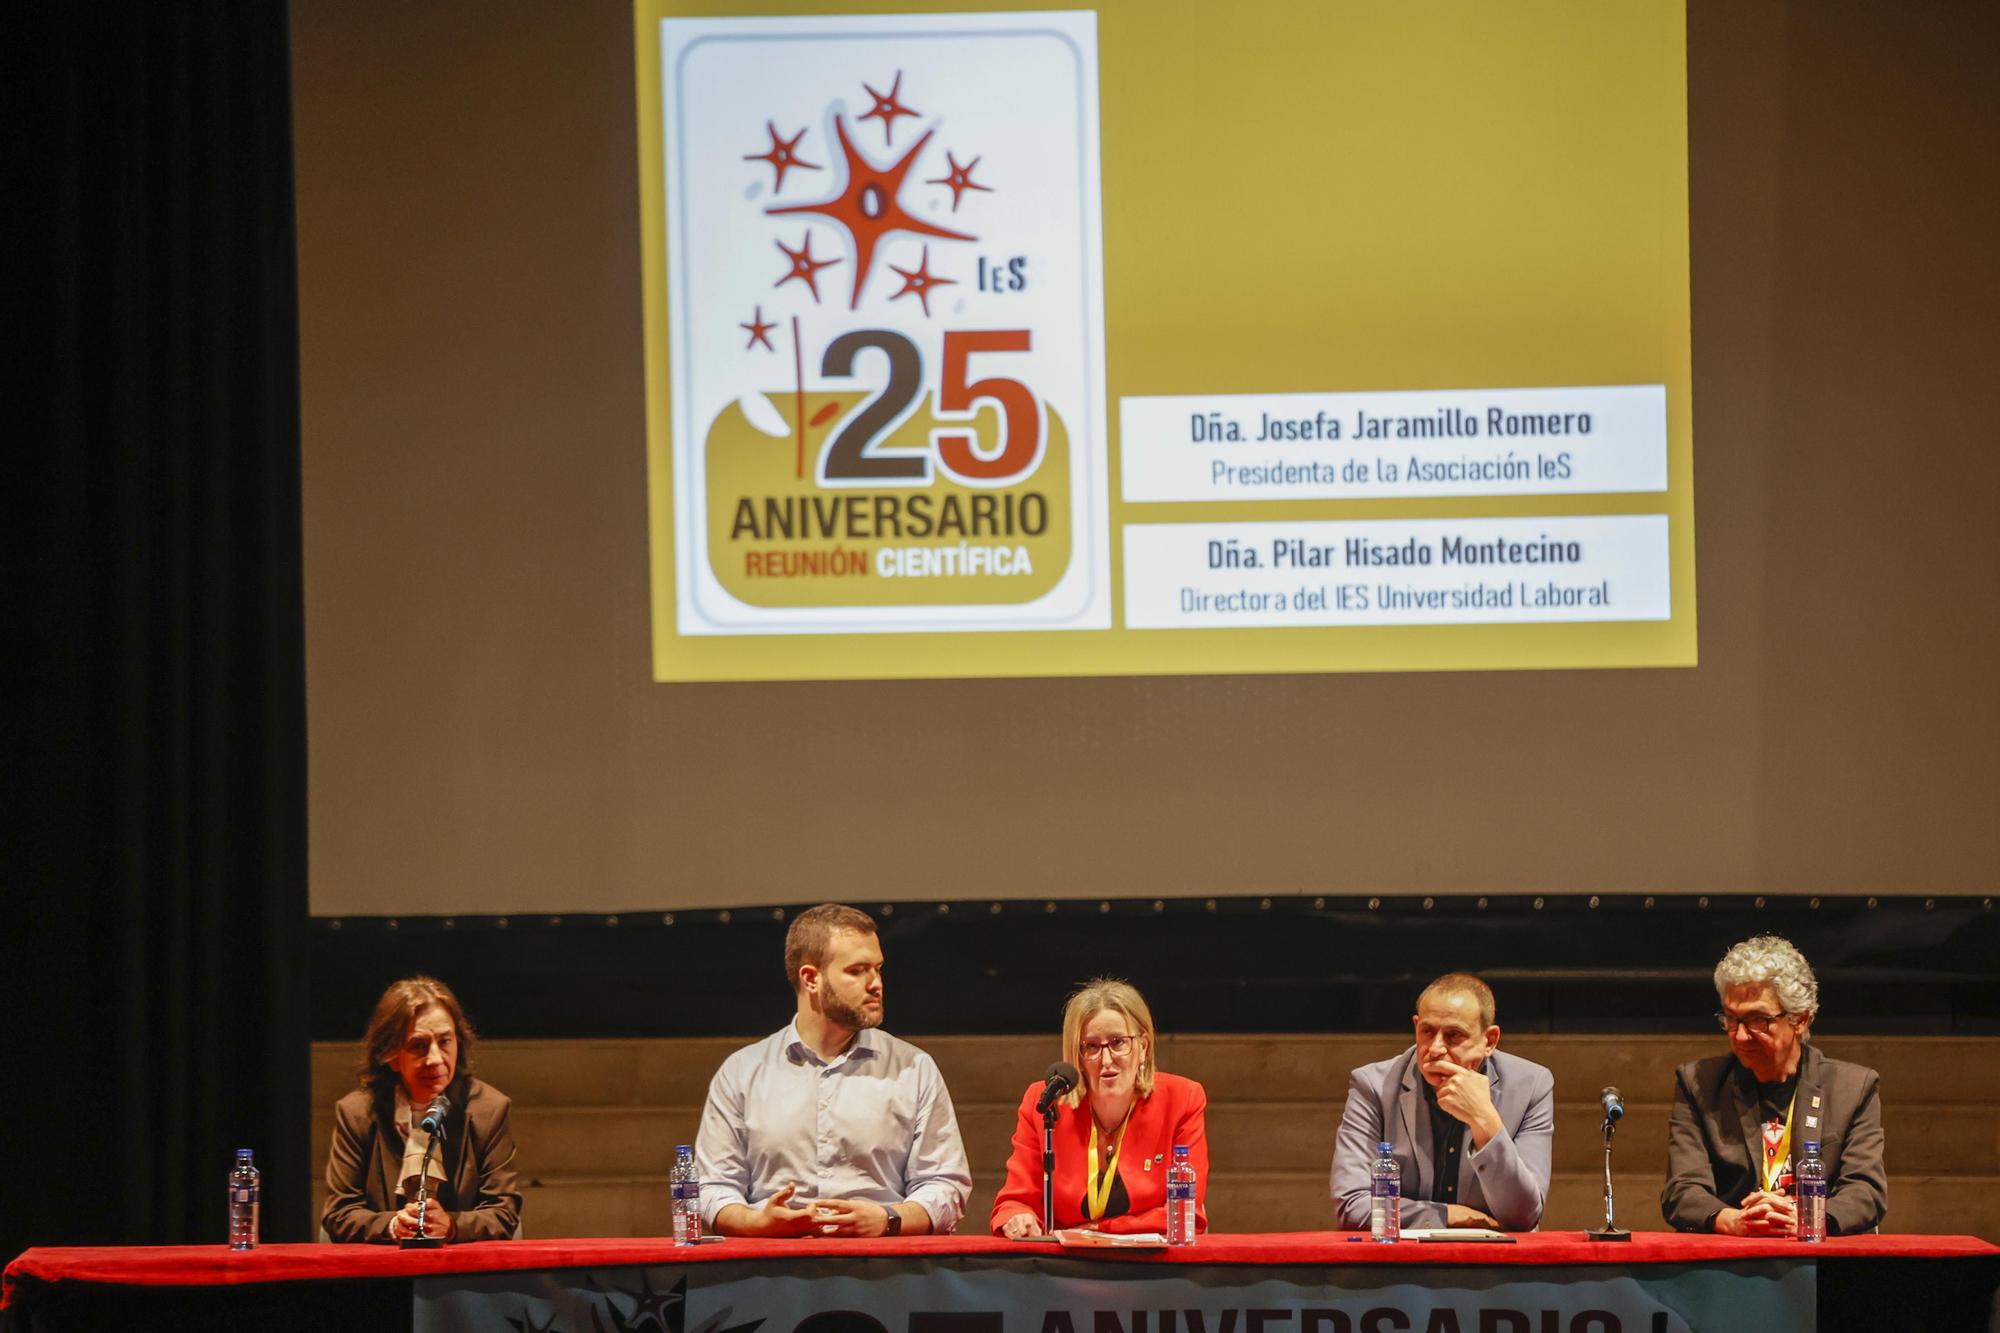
x=831 y=1126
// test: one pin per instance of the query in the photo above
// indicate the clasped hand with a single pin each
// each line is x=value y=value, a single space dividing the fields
x=1764 y=1213
x=822 y=1217
x=437 y=1222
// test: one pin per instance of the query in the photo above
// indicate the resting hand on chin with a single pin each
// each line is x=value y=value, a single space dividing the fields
x=1467 y=1094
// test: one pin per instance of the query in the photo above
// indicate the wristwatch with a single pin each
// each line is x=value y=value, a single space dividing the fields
x=895 y=1227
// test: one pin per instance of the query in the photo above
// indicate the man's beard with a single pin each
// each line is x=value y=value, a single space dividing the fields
x=842 y=1014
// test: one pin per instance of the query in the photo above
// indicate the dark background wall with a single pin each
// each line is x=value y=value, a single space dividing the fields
x=1559 y=963
x=153 y=952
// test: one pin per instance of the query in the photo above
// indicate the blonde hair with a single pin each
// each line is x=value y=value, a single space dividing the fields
x=1092 y=998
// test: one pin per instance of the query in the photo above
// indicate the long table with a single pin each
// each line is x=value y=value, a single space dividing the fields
x=1319 y=1282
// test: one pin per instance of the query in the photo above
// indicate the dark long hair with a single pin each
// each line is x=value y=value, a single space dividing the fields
x=395 y=1017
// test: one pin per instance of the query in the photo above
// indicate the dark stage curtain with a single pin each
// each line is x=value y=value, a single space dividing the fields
x=154 y=901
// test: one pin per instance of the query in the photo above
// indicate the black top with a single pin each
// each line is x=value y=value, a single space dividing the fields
x=1447 y=1146
x=1775 y=1099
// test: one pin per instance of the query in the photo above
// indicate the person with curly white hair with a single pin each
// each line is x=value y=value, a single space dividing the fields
x=1740 y=1120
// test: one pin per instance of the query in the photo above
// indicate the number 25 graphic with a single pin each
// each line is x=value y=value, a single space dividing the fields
x=856 y=456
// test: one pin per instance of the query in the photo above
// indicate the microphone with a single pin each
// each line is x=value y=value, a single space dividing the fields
x=1614 y=1110
x=1059 y=1079
x=434 y=1114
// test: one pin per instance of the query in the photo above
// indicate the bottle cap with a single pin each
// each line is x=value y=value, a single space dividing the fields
x=682 y=1147
x=243 y=1154
x=1385 y=1147
x=1812 y=1145
x=1180 y=1150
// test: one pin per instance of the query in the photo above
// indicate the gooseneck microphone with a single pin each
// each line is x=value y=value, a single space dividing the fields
x=433 y=1125
x=1614 y=1111
x=1060 y=1078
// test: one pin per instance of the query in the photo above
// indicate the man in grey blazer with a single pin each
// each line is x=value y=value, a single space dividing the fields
x=1472 y=1128
x=1740 y=1120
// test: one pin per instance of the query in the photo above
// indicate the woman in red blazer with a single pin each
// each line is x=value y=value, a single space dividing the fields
x=1114 y=1136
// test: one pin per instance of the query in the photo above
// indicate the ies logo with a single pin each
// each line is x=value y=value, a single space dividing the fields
x=887 y=322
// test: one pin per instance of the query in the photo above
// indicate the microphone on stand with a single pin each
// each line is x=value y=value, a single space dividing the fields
x=1614 y=1111
x=433 y=1126
x=1058 y=1079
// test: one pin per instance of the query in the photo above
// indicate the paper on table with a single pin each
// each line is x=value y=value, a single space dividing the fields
x=1457 y=1233
x=1138 y=1240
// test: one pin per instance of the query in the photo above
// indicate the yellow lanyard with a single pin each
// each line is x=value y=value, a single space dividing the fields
x=1774 y=1161
x=1097 y=1190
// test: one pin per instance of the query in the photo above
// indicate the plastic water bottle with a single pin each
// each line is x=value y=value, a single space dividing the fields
x=687 y=1197
x=1385 y=1207
x=243 y=1200
x=1809 y=1180
x=1180 y=1198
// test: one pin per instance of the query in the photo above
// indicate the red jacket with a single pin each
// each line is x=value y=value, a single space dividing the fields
x=1171 y=1115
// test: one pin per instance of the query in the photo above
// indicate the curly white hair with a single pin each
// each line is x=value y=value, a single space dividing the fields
x=1772 y=960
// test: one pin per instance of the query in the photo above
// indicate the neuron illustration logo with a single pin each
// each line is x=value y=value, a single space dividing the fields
x=886 y=308
x=871 y=201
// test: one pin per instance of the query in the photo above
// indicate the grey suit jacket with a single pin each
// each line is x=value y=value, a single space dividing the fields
x=1508 y=1178
x=1715 y=1143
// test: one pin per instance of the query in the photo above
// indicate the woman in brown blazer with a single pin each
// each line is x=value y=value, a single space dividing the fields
x=419 y=1046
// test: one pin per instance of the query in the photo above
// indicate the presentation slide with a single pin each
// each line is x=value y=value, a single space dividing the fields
x=1307 y=214
x=1167 y=339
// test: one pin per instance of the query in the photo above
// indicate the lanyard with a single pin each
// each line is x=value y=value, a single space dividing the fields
x=1097 y=1189
x=1776 y=1157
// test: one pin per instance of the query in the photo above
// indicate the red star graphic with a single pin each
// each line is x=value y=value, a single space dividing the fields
x=918 y=282
x=803 y=264
x=868 y=206
x=959 y=179
x=760 y=328
x=887 y=107
x=783 y=156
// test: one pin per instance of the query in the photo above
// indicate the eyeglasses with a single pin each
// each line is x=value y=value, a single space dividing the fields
x=1119 y=1047
x=1757 y=1023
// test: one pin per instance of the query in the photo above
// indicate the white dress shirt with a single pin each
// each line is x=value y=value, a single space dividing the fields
x=874 y=1123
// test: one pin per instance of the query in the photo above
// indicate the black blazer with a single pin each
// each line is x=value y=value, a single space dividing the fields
x=1715 y=1141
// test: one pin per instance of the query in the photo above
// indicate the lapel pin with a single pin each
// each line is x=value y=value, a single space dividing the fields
x=1815 y=1101
x=1812 y=1122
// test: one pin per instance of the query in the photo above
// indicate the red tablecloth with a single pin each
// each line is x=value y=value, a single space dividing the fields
x=198 y=1265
